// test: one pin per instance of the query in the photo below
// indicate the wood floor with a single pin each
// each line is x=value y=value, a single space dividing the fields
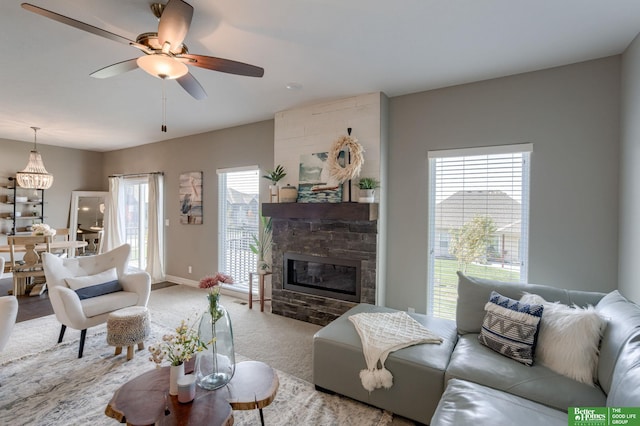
x=30 y=307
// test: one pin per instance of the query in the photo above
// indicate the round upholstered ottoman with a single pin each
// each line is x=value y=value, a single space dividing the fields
x=128 y=327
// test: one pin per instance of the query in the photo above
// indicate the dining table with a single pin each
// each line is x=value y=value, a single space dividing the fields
x=70 y=246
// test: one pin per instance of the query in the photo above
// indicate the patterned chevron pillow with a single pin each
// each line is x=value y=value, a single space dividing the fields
x=510 y=327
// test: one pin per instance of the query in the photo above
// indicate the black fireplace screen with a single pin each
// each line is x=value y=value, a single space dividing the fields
x=323 y=276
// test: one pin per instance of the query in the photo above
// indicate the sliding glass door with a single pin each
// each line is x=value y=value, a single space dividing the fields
x=136 y=193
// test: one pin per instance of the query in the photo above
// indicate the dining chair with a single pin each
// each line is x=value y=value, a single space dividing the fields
x=30 y=266
x=62 y=234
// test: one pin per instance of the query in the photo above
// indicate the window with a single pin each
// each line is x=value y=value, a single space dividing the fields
x=238 y=221
x=478 y=219
x=136 y=198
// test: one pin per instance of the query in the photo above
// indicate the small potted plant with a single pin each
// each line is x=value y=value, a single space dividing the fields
x=367 y=187
x=261 y=245
x=275 y=176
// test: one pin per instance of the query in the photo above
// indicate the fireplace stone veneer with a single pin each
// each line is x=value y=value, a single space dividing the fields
x=355 y=240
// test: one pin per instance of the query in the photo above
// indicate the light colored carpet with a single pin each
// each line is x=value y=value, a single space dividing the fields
x=257 y=335
x=45 y=383
x=54 y=388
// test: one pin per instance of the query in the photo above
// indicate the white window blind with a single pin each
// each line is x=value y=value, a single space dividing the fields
x=238 y=220
x=478 y=219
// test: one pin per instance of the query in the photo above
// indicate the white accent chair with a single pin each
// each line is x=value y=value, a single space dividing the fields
x=79 y=314
x=8 y=313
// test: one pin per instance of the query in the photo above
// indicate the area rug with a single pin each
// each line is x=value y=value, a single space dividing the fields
x=53 y=387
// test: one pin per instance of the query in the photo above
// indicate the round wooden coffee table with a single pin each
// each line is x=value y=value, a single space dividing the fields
x=253 y=386
x=145 y=400
x=141 y=401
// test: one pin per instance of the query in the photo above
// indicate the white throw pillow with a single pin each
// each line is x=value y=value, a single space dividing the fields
x=568 y=339
x=90 y=280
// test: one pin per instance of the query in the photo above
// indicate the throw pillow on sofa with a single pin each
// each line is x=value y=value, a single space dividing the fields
x=95 y=285
x=510 y=327
x=568 y=339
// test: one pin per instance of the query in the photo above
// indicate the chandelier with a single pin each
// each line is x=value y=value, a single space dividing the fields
x=35 y=176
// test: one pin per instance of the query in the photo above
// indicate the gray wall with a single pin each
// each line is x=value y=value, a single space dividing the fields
x=629 y=235
x=196 y=245
x=571 y=115
x=72 y=170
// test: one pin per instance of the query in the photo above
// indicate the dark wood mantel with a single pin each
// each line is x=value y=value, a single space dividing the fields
x=325 y=211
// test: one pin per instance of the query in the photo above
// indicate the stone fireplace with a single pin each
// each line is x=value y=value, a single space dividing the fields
x=324 y=258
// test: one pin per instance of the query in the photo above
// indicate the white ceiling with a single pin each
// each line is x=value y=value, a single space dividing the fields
x=331 y=48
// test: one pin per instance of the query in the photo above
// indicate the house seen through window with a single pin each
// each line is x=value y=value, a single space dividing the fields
x=478 y=219
x=238 y=215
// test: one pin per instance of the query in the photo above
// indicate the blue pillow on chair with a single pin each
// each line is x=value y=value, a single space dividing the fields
x=95 y=285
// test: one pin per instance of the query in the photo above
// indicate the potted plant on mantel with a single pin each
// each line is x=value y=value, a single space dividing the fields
x=261 y=245
x=367 y=187
x=275 y=176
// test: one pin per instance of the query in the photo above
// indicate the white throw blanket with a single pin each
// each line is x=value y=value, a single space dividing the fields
x=382 y=333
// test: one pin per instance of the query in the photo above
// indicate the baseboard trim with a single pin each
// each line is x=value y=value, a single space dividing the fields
x=180 y=280
x=228 y=290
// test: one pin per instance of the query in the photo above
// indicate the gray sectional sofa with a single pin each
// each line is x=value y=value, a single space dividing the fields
x=462 y=382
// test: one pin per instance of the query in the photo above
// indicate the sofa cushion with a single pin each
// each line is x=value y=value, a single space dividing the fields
x=568 y=339
x=511 y=327
x=623 y=321
x=476 y=363
x=109 y=302
x=474 y=292
x=466 y=403
x=418 y=371
x=626 y=376
x=95 y=285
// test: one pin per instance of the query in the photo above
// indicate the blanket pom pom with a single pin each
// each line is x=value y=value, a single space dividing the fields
x=384 y=378
x=368 y=379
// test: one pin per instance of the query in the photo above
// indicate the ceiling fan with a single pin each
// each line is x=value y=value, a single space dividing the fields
x=165 y=54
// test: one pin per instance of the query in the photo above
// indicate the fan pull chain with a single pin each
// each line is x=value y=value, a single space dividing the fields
x=164 y=107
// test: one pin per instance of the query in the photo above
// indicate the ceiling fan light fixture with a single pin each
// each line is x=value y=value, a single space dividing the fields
x=162 y=66
x=35 y=175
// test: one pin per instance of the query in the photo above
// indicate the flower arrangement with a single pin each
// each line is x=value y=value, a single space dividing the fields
x=179 y=347
x=42 y=229
x=212 y=282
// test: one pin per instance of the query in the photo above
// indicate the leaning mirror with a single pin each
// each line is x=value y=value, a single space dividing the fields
x=87 y=218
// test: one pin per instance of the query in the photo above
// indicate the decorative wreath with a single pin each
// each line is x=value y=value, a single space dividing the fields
x=349 y=171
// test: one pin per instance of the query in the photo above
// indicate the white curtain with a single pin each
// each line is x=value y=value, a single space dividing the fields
x=113 y=215
x=155 y=240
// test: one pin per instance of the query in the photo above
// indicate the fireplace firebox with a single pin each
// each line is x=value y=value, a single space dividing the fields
x=332 y=277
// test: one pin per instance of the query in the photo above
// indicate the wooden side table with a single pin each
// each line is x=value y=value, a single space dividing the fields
x=260 y=290
x=253 y=386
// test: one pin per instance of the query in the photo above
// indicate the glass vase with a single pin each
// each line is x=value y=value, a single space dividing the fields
x=215 y=365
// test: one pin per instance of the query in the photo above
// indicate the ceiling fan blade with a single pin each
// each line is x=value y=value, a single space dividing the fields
x=223 y=65
x=192 y=86
x=174 y=24
x=115 y=69
x=76 y=24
